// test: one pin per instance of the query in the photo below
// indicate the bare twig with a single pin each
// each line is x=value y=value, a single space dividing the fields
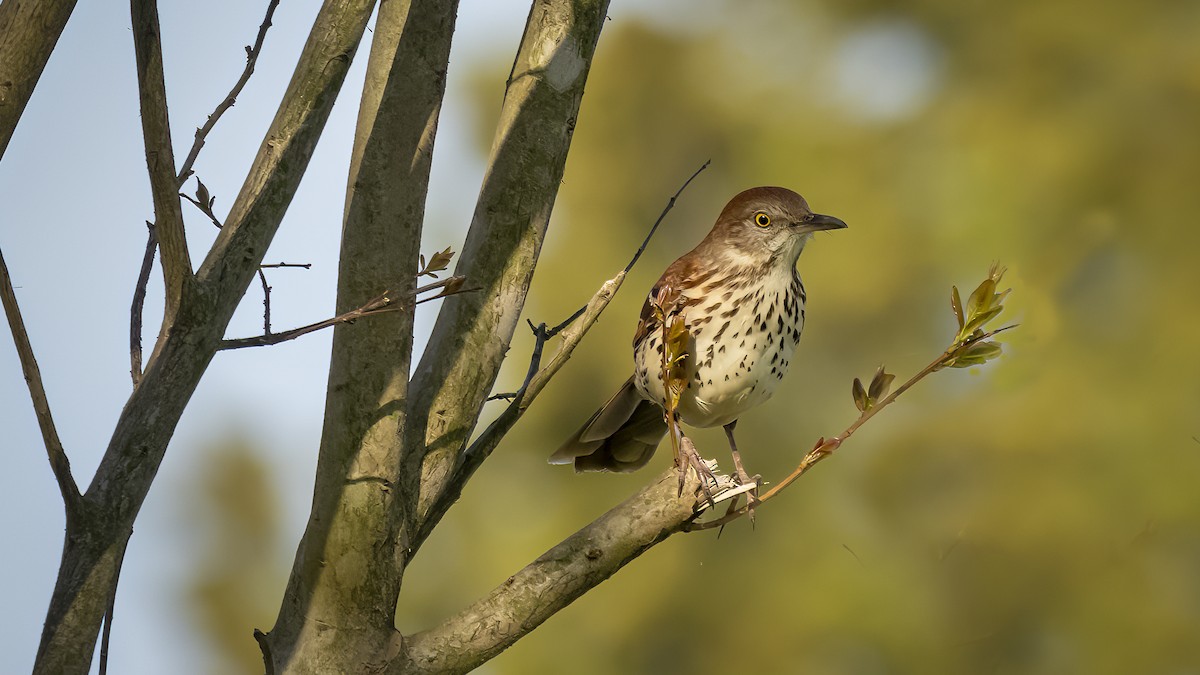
x=206 y=209
x=231 y=98
x=266 y=302
x=645 y=242
x=59 y=463
x=139 y=301
x=667 y=209
x=573 y=332
x=377 y=305
x=262 y=277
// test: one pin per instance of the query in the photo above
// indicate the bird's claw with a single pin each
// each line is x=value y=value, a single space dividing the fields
x=691 y=459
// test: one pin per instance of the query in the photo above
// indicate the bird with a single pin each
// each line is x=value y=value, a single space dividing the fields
x=742 y=302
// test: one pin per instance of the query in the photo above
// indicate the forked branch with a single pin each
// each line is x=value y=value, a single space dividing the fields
x=139 y=291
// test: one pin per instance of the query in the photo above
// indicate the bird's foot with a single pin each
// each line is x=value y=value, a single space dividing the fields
x=690 y=459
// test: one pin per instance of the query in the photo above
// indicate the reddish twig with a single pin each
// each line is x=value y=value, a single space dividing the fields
x=825 y=447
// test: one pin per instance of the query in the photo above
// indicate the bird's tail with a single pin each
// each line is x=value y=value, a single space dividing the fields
x=621 y=436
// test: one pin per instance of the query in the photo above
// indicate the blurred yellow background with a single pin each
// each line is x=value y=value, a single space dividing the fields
x=1040 y=514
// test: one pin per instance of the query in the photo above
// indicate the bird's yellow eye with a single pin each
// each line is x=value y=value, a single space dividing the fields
x=761 y=219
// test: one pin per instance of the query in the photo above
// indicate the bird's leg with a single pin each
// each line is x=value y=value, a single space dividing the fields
x=743 y=477
x=690 y=457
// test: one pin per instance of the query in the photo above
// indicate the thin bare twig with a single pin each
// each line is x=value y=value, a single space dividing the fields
x=139 y=301
x=262 y=277
x=266 y=302
x=645 y=242
x=205 y=209
x=59 y=463
x=109 y=610
x=231 y=98
x=573 y=332
x=377 y=305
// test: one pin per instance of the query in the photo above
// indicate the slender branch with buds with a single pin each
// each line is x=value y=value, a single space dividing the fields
x=970 y=347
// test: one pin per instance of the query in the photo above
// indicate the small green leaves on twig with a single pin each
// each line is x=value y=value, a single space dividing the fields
x=438 y=262
x=970 y=346
x=866 y=398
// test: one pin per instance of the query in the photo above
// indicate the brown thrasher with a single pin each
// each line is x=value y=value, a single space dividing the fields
x=743 y=304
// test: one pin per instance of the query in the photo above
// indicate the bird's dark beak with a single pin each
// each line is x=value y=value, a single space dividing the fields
x=818 y=222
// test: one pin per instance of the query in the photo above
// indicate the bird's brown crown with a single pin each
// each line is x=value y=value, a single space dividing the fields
x=768 y=198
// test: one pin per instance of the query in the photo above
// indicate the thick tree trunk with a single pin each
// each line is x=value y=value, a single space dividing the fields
x=339 y=607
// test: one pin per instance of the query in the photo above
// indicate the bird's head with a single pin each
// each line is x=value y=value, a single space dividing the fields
x=769 y=223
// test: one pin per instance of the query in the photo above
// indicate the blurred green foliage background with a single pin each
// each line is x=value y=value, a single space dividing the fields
x=1037 y=515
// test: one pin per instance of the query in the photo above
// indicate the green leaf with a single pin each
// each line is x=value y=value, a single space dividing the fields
x=976 y=355
x=956 y=305
x=981 y=299
x=879 y=385
x=980 y=320
x=860 y=395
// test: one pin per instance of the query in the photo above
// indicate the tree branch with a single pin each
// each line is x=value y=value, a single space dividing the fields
x=472 y=333
x=59 y=463
x=28 y=33
x=160 y=159
x=553 y=581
